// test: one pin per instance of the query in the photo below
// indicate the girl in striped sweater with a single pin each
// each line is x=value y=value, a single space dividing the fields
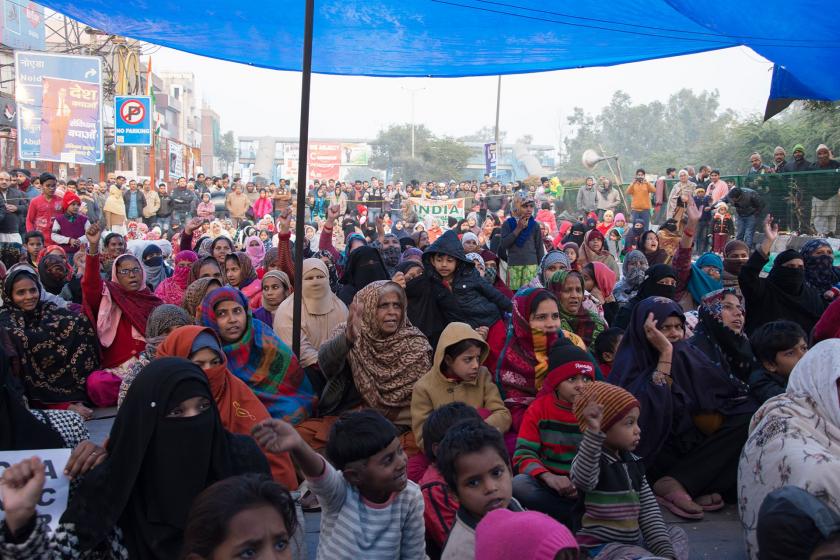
x=621 y=517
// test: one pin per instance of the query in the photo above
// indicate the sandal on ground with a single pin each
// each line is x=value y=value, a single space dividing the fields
x=669 y=502
x=715 y=502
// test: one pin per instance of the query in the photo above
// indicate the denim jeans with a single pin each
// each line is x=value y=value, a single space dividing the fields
x=643 y=215
x=745 y=226
x=701 y=240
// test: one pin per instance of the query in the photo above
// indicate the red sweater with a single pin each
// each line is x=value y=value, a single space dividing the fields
x=548 y=438
x=40 y=216
x=441 y=505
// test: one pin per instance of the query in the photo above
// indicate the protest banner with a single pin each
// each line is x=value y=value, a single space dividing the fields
x=427 y=210
x=355 y=154
x=53 y=500
x=324 y=161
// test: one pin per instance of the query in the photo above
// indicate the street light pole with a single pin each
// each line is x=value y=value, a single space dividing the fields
x=413 y=92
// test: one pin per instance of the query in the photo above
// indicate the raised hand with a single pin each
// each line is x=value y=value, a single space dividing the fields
x=332 y=213
x=692 y=212
x=284 y=221
x=399 y=278
x=193 y=225
x=592 y=414
x=655 y=336
x=354 y=323
x=276 y=436
x=93 y=235
x=771 y=230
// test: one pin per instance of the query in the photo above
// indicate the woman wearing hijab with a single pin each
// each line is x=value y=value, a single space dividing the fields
x=820 y=272
x=649 y=246
x=735 y=255
x=195 y=292
x=632 y=241
x=793 y=440
x=576 y=234
x=163 y=320
x=172 y=289
x=57 y=275
x=553 y=261
x=376 y=356
x=114 y=211
x=784 y=294
x=364 y=266
x=598 y=283
x=660 y=280
x=327 y=258
x=54 y=350
x=135 y=503
x=258 y=357
x=255 y=250
x=120 y=309
x=320 y=312
x=693 y=415
x=276 y=288
x=154 y=267
x=568 y=287
x=634 y=267
x=239 y=409
x=220 y=248
x=240 y=274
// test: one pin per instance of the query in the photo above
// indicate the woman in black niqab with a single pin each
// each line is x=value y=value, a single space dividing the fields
x=364 y=265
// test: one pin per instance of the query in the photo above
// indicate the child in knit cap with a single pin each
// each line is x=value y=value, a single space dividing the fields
x=531 y=535
x=549 y=435
x=621 y=516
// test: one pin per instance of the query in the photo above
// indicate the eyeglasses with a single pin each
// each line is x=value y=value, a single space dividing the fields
x=129 y=272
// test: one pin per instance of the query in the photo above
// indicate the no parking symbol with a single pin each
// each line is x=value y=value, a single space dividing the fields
x=133 y=126
x=132 y=111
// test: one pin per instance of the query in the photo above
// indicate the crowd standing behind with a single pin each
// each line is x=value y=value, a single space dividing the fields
x=528 y=369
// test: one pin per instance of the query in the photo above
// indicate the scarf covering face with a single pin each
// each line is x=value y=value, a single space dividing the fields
x=172 y=289
x=789 y=280
x=698 y=385
x=318 y=299
x=57 y=348
x=526 y=233
x=155 y=467
x=114 y=203
x=155 y=270
x=117 y=302
x=386 y=367
x=631 y=241
x=734 y=347
x=576 y=234
x=333 y=273
x=659 y=256
x=586 y=324
x=19 y=430
x=733 y=266
x=364 y=266
x=263 y=362
x=195 y=292
x=794 y=438
x=604 y=278
x=700 y=283
x=255 y=252
x=820 y=271
x=634 y=267
x=650 y=285
x=524 y=359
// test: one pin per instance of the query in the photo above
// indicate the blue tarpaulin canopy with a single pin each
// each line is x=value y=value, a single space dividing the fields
x=450 y=38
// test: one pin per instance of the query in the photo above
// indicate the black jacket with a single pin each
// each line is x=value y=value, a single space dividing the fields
x=183 y=200
x=11 y=222
x=748 y=204
x=141 y=201
x=765 y=385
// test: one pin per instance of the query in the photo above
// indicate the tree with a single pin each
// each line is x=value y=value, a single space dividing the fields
x=484 y=134
x=226 y=148
x=434 y=158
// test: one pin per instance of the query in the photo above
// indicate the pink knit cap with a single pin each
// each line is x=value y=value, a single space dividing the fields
x=531 y=535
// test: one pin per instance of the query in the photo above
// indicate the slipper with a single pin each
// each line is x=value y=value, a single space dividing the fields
x=668 y=502
x=716 y=505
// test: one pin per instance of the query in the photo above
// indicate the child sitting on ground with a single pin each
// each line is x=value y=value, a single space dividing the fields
x=549 y=435
x=778 y=347
x=481 y=303
x=33 y=242
x=620 y=510
x=440 y=502
x=457 y=375
x=474 y=463
x=605 y=347
x=369 y=507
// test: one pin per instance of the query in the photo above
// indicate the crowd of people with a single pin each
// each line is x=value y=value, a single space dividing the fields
x=531 y=379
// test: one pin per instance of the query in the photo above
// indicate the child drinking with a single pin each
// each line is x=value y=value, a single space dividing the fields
x=778 y=347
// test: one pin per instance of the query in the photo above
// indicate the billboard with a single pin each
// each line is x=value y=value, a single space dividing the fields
x=23 y=25
x=59 y=100
x=490 y=158
x=324 y=161
x=291 y=157
x=248 y=149
x=355 y=154
x=133 y=120
x=176 y=160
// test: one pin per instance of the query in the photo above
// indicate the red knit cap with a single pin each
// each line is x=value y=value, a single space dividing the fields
x=69 y=198
x=616 y=401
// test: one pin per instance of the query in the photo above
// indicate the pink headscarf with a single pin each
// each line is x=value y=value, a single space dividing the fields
x=604 y=278
x=255 y=253
x=173 y=288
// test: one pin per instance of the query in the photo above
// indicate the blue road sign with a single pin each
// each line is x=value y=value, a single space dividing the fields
x=133 y=122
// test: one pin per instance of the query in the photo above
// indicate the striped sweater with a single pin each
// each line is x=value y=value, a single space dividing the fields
x=548 y=438
x=353 y=528
x=619 y=506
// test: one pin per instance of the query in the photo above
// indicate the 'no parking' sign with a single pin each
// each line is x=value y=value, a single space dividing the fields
x=133 y=123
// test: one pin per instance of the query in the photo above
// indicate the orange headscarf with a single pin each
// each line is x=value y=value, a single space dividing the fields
x=239 y=408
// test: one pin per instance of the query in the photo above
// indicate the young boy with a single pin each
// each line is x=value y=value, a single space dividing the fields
x=620 y=510
x=370 y=509
x=605 y=347
x=440 y=502
x=549 y=435
x=778 y=346
x=33 y=242
x=481 y=304
x=474 y=463
x=68 y=228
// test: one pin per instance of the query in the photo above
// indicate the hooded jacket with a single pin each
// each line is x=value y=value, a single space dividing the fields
x=483 y=303
x=434 y=389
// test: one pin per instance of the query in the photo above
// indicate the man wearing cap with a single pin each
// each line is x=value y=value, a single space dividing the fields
x=824 y=160
x=13 y=208
x=799 y=161
x=780 y=165
x=24 y=183
x=44 y=208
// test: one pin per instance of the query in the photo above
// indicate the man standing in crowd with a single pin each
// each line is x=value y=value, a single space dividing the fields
x=780 y=164
x=661 y=195
x=135 y=201
x=718 y=188
x=91 y=208
x=152 y=206
x=747 y=204
x=608 y=198
x=251 y=192
x=681 y=191
x=13 y=207
x=756 y=167
x=164 y=213
x=824 y=160
x=702 y=177
x=799 y=161
x=587 y=197
x=218 y=196
x=43 y=208
x=24 y=182
x=639 y=192
x=237 y=204
x=184 y=203
x=200 y=186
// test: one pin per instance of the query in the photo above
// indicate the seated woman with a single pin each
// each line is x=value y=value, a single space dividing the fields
x=693 y=415
x=240 y=274
x=206 y=267
x=820 y=272
x=135 y=503
x=363 y=265
x=321 y=311
x=56 y=275
x=120 y=309
x=649 y=246
x=784 y=294
x=634 y=267
x=518 y=356
x=52 y=349
x=720 y=335
x=594 y=249
x=219 y=249
x=172 y=289
x=553 y=261
x=276 y=288
x=258 y=357
x=373 y=359
x=660 y=281
x=568 y=286
x=735 y=255
x=793 y=440
x=154 y=267
x=195 y=292
x=239 y=409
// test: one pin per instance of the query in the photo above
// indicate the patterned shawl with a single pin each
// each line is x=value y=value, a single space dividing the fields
x=586 y=324
x=263 y=362
x=172 y=289
x=795 y=439
x=733 y=347
x=195 y=292
x=386 y=367
x=820 y=271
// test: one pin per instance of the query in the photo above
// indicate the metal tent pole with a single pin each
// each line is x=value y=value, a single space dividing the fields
x=300 y=237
